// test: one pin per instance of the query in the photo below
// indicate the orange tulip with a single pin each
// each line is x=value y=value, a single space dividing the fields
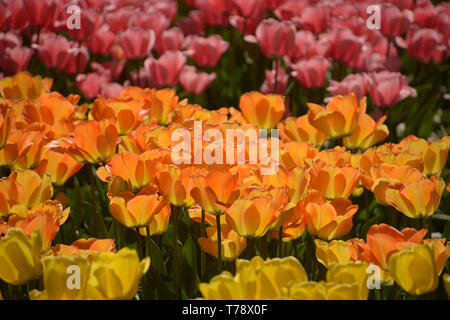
x=137 y=170
x=434 y=154
x=126 y=112
x=159 y=223
x=334 y=182
x=162 y=103
x=263 y=110
x=328 y=220
x=173 y=183
x=232 y=243
x=339 y=118
x=24 y=86
x=92 y=141
x=50 y=108
x=337 y=251
x=418 y=199
x=10 y=195
x=216 y=191
x=337 y=156
x=60 y=166
x=295 y=153
x=367 y=132
x=252 y=217
x=300 y=129
x=85 y=246
x=7 y=121
x=136 y=210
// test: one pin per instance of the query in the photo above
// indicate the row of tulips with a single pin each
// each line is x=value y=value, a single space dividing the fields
x=105 y=171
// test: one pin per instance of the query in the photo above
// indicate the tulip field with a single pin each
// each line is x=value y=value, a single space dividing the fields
x=224 y=150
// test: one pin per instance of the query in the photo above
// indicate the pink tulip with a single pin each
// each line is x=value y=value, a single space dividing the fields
x=90 y=21
x=193 y=23
x=195 y=82
x=304 y=45
x=118 y=20
x=155 y=21
x=10 y=39
x=345 y=46
x=388 y=88
x=291 y=9
x=171 y=39
x=102 y=40
x=90 y=83
x=269 y=83
x=272 y=4
x=14 y=60
x=17 y=15
x=394 y=22
x=353 y=83
x=113 y=67
x=314 y=19
x=215 y=12
x=402 y=4
x=425 y=44
x=168 y=8
x=111 y=90
x=206 y=52
x=136 y=42
x=4 y=13
x=40 y=12
x=275 y=38
x=311 y=73
x=425 y=16
x=166 y=70
x=246 y=8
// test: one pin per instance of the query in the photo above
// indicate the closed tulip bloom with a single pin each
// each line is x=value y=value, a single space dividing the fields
x=137 y=170
x=56 y=275
x=195 y=82
x=300 y=129
x=446 y=280
x=332 y=181
x=281 y=80
x=311 y=73
x=388 y=88
x=351 y=273
x=35 y=189
x=232 y=243
x=136 y=210
x=252 y=217
x=160 y=222
x=162 y=103
x=27 y=147
x=173 y=183
x=434 y=154
x=102 y=40
x=339 y=118
x=419 y=199
x=441 y=251
x=7 y=120
x=425 y=44
x=414 y=270
x=85 y=247
x=353 y=83
x=263 y=110
x=170 y=39
x=275 y=38
x=116 y=276
x=20 y=256
x=367 y=132
x=310 y=290
x=41 y=13
x=10 y=196
x=92 y=141
x=395 y=22
x=328 y=220
x=165 y=71
x=336 y=251
x=15 y=59
x=206 y=52
x=24 y=86
x=60 y=166
x=136 y=42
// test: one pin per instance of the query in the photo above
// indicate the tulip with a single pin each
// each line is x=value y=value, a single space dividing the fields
x=414 y=270
x=311 y=73
x=15 y=59
x=419 y=199
x=136 y=42
x=339 y=118
x=336 y=251
x=314 y=18
x=90 y=21
x=136 y=211
x=85 y=247
x=206 y=52
x=350 y=273
x=24 y=86
x=159 y=224
x=92 y=141
x=232 y=243
x=116 y=276
x=102 y=40
x=345 y=46
x=328 y=220
x=90 y=83
x=310 y=290
x=246 y=7
x=275 y=38
x=263 y=110
x=7 y=121
x=332 y=181
x=194 y=23
x=51 y=108
x=434 y=154
x=446 y=279
x=162 y=103
x=353 y=83
x=425 y=44
x=40 y=13
x=272 y=85
x=20 y=256
x=173 y=183
x=171 y=39
x=395 y=22
x=300 y=129
x=296 y=154
x=111 y=90
x=215 y=11
x=195 y=82
x=166 y=70
x=35 y=189
x=441 y=252
x=389 y=88
x=61 y=280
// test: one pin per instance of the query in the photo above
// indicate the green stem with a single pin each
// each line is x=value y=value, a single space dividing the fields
x=176 y=270
x=139 y=243
x=219 y=245
x=92 y=181
x=202 y=253
x=280 y=241
x=149 y=241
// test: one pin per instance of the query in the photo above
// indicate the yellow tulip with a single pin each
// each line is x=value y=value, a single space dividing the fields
x=311 y=290
x=446 y=279
x=414 y=269
x=65 y=278
x=350 y=273
x=20 y=256
x=116 y=276
x=434 y=154
x=336 y=251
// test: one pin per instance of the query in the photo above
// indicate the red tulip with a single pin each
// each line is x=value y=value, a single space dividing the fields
x=102 y=40
x=345 y=46
x=248 y=25
x=206 y=52
x=314 y=19
x=272 y=4
x=388 y=88
x=425 y=44
x=394 y=22
x=150 y=21
x=136 y=42
x=171 y=39
x=311 y=73
x=291 y=10
x=402 y=4
x=40 y=12
x=246 y=8
x=215 y=11
x=166 y=70
x=18 y=14
x=195 y=82
x=193 y=23
x=425 y=16
x=16 y=59
x=118 y=20
x=90 y=21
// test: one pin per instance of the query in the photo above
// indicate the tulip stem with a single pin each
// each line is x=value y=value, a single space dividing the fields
x=202 y=253
x=280 y=241
x=176 y=270
x=219 y=245
x=139 y=243
x=137 y=73
x=149 y=241
x=275 y=81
